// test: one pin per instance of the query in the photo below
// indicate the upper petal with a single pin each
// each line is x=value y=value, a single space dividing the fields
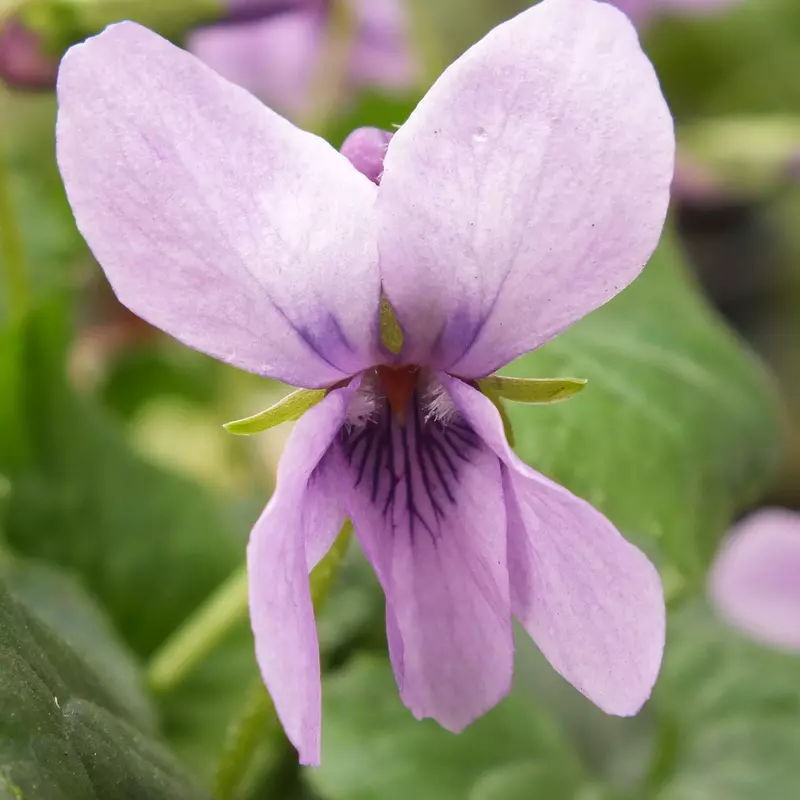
x=214 y=218
x=529 y=186
x=297 y=527
x=591 y=601
x=426 y=502
x=755 y=580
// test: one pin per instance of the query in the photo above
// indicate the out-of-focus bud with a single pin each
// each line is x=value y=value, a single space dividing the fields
x=365 y=149
x=25 y=62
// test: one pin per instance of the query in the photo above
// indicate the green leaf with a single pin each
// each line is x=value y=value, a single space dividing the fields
x=519 y=781
x=58 y=600
x=63 y=736
x=744 y=59
x=617 y=751
x=291 y=407
x=52 y=245
x=732 y=711
x=531 y=390
x=374 y=749
x=678 y=427
x=148 y=544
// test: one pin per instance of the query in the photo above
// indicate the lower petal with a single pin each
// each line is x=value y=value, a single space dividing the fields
x=591 y=601
x=426 y=501
x=297 y=527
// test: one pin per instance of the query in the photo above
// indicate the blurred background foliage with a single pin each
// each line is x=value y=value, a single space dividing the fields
x=124 y=506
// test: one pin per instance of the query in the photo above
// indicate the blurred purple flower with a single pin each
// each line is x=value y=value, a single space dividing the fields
x=528 y=187
x=755 y=580
x=642 y=11
x=24 y=64
x=273 y=48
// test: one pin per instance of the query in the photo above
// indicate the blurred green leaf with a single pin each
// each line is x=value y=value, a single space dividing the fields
x=744 y=58
x=371 y=109
x=520 y=781
x=678 y=427
x=161 y=369
x=149 y=544
x=616 y=751
x=62 y=735
x=732 y=711
x=58 y=600
x=374 y=749
x=52 y=245
x=197 y=714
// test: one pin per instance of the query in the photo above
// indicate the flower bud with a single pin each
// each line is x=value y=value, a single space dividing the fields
x=365 y=149
x=24 y=60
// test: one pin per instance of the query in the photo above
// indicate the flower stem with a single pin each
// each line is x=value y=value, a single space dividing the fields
x=258 y=722
x=666 y=753
x=12 y=251
x=199 y=634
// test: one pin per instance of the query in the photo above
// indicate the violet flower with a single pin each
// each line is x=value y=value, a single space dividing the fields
x=273 y=48
x=528 y=187
x=755 y=580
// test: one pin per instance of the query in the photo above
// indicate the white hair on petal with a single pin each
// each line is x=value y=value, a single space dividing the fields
x=365 y=403
x=437 y=403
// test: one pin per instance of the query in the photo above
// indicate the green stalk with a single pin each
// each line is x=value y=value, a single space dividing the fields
x=199 y=634
x=12 y=252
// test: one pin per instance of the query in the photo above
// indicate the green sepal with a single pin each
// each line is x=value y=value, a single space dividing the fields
x=501 y=409
x=391 y=332
x=291 y=407
x=531 y=390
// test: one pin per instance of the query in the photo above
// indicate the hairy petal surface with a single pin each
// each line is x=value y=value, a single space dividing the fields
x=591 y=601
x=296 y=529
x=214 y=218
x=755 y=580
x=529 y=187
x=426 y=502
